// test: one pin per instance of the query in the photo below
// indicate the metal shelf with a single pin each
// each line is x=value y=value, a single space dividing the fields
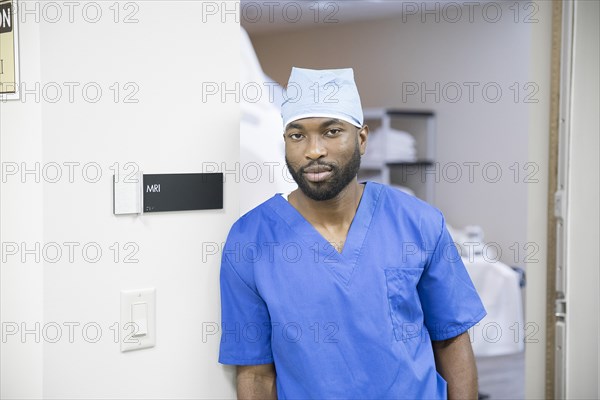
x=420 y=124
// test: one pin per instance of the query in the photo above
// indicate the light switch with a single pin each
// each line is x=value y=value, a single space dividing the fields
x=139 y=316
x=138 y=327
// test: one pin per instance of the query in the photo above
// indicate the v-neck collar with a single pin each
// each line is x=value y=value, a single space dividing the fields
x=341 y=264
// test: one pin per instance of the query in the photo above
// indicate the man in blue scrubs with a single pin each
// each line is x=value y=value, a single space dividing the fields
x=341 y=289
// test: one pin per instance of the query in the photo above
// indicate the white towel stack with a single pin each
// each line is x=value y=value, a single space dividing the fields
x=389 y=145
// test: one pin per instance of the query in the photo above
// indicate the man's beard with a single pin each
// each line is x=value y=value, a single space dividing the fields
x=340 y=178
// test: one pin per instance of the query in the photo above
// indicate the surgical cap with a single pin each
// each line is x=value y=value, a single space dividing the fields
x=329 y=93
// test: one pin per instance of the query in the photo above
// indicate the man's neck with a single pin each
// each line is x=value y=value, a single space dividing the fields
x=336 y=212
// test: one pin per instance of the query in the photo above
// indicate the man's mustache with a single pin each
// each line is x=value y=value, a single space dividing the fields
x=317 y=167
x=314 y=166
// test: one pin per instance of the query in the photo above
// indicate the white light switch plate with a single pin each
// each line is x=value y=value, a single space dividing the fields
x=138 y=319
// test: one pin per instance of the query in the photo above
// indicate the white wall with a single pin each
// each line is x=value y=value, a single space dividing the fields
x=583 y=261
x=167 y=54
x=21 y=207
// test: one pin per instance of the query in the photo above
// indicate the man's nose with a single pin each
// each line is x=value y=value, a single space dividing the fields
x=316 y=148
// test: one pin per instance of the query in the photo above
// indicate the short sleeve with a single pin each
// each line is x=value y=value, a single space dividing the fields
x=450 y=302
x=245 y=322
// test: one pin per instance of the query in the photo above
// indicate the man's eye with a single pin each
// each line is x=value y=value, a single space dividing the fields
x=295 y=136
x=333 y=132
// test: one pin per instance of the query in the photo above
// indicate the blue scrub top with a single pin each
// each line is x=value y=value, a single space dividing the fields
x=350 y=325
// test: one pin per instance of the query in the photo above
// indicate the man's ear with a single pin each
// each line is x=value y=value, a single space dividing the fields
x=363 y=136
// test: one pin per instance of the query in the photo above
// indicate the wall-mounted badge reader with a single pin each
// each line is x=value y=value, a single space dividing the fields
x=167 y=192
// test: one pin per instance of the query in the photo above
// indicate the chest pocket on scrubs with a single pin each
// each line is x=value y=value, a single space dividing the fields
x=403 y=298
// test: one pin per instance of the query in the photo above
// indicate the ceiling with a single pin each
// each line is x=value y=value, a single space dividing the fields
x=271 y=16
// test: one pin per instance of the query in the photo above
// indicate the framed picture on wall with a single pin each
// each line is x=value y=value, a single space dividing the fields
x=9 y=50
